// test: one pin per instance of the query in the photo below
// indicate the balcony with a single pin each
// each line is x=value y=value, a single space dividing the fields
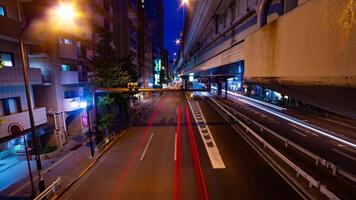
x=69 y=77
x=69 y=106
x=9 y=32
x=73 y=77
x=22 y=118
x=68 y=51
x=10 y=76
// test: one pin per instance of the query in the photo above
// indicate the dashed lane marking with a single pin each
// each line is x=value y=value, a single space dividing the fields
x=207 y=137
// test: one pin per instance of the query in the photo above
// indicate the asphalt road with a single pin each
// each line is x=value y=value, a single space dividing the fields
x=333 y=151
x=147 y=162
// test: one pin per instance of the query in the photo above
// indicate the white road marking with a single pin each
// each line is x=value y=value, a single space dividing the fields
x=344 y=154
x=207 y=137
x=300 y=133
x=148 y=143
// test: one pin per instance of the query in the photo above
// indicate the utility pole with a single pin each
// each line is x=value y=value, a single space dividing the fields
x=35 y=138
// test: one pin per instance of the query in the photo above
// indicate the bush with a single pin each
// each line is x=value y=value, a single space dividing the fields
x=48 y=149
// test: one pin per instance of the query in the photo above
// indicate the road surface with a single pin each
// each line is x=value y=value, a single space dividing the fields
x=166 y=156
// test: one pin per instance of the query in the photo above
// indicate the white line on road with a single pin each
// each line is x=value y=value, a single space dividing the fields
x=208 y=139
x=148 y=143
x=344 y=154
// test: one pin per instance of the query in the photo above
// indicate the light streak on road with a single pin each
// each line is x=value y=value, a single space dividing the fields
x=295 y=121
x=254 y=100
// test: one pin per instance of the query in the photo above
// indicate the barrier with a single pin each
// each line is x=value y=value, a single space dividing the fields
x=50 y=190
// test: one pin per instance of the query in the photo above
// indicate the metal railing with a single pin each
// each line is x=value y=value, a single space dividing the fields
x=50 y=190
x=300 y=172
x=318 y=160
x=106 y=141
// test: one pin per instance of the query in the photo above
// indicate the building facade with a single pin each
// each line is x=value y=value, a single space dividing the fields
x=13 y=103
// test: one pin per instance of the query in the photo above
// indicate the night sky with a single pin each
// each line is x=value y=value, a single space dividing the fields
x=173 y=22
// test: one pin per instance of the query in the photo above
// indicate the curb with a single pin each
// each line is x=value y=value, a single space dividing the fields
x=60 y=194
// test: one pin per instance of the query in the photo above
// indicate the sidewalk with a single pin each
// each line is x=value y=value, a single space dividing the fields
x=17 y=185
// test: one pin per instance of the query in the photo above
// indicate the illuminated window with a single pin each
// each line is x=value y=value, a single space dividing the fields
x=10 y=106
x=7 y=59
x=65 y=41
x=65 y=68
x=2 y=11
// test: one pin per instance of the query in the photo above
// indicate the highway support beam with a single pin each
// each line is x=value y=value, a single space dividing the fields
x=219 y=82
x=226 y=88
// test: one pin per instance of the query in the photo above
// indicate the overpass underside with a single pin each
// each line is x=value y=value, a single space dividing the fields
x=308 y=53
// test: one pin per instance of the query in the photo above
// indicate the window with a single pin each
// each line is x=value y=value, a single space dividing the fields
x=65 y=68
x=2 y=111
x=65 y=41
x=71 y=94
x=2 y=11
x=7 y=59
x=10 y=106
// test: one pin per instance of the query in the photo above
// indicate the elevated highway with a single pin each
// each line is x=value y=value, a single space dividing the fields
x=304 y=49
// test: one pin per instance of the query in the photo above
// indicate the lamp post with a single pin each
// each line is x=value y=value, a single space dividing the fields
x=35 y=138
x=61 y=12
x=90 y=134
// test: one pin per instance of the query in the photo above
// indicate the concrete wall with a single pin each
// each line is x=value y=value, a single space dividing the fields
x=314 y=44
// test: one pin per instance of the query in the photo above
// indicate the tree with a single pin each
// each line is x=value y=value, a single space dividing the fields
x=110 y=71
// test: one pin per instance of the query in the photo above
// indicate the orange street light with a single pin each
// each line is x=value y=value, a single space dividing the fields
x=64 y=16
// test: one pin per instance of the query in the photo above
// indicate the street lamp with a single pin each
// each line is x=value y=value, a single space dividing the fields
x=178 y=42
x=64 y=13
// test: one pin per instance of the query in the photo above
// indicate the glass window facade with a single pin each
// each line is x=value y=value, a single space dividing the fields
x=7 y=59
x=2 y=11
x=65 y=68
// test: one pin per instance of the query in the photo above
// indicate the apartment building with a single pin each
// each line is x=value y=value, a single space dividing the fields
x=63 y=60
x=13 y=104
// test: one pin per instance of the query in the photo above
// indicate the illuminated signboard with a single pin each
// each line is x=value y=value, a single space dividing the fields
x=157 y=71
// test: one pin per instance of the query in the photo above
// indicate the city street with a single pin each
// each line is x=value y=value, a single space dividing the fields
x=141 y=164
x=177 y=99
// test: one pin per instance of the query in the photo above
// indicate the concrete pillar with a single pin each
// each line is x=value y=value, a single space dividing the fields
x=219 y=87
x=226 y=89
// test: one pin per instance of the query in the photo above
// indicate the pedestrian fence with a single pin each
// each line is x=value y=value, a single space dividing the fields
x=299 y=172
x=106 y=141
x=50 y=190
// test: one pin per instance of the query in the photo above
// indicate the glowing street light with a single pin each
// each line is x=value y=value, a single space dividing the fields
x=185 y=2
x=64 y=14
x=178 y=42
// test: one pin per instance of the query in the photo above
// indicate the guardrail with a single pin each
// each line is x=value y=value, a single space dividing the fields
x=50 y=190
x=106 y=141
x=312 y=182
